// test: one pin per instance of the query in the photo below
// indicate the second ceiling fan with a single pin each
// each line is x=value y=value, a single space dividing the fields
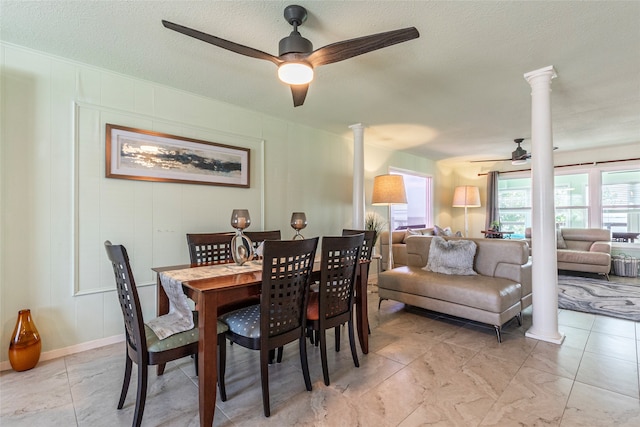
x=519 y=156
x=296 y=59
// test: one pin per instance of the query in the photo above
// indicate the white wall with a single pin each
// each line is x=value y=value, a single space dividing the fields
x=44 y=220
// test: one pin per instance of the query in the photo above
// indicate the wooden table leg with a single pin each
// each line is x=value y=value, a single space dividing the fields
x=207 y=355
x=362 y=310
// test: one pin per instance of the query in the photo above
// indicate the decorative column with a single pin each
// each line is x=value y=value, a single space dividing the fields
x=358 y=175
x=543 y=227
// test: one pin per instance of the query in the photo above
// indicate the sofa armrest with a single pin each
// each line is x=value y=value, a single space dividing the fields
x=517 y=273
x=600 y=246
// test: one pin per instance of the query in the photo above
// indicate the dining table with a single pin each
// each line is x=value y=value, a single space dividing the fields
x=234 y=285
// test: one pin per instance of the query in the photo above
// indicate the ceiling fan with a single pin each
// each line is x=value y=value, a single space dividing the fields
x=297 y=59
x=519 y=156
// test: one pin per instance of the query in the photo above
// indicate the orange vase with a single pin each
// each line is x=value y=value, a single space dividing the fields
x=25 y=346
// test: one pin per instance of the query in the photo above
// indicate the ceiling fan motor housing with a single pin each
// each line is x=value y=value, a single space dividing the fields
x=295 y=15
x=295 y=43
x=519 y=153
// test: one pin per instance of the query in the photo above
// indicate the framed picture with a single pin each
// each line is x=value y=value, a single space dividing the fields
x=152 y=156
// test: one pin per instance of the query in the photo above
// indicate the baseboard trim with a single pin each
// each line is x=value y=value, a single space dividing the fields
x=61 y=352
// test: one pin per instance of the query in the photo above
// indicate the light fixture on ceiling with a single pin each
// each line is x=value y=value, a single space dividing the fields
x=295 y=73
x=519 y=162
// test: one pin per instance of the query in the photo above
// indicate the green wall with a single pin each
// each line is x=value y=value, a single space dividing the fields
x=57 y=208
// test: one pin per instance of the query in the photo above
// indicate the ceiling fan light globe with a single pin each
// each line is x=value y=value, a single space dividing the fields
x=295 y=73
x=519 y=162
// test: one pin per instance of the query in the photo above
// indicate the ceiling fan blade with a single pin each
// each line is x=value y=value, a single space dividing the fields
x=346 y=49
x=299 y=93
x=528 y=155
x=489 y=160
x=225 y=44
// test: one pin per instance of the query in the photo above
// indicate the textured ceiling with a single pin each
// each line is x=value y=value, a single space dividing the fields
x=456 y=92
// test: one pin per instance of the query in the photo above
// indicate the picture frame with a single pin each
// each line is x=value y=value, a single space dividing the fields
x=145 y=155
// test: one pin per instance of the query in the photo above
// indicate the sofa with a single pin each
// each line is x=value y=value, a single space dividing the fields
x=582 y=249
x=398 y=245
x=499 y=291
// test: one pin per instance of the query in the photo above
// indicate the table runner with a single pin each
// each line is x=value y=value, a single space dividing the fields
x=180 y=317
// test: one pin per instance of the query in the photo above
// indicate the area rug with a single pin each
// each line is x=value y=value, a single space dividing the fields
x=598 y=296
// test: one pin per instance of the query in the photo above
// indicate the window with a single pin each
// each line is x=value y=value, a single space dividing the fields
x=595 y=198
x=419 y=207
x=514 y=204
x=572 y=200
x=621 y=201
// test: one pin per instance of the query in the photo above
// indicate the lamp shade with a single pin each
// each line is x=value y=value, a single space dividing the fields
x=466 y=196
x=388 y=190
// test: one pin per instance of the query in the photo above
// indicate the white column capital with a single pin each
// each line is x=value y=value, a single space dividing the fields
x=357 y=126
x=544 y=74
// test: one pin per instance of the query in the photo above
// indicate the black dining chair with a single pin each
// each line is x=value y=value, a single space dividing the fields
x=209 y=248
x=281 y=315
x=215 y=248
x=144 y=348
x=367 y=244
x=332 y=305
x=257 y=237
x=365 y=256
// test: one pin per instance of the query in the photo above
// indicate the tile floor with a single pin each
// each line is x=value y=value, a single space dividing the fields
x=422 y=369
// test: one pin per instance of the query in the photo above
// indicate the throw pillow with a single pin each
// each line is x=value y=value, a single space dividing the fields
x=409 y=232
x=560 y=243
x=437 y=231
x=448 y=231
x=451 y=256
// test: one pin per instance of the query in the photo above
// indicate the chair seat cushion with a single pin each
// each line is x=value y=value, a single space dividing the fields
x=155 y=344
x=244 y=321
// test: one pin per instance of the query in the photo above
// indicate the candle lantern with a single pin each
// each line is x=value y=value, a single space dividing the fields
x=241 y=245
x=298 y=222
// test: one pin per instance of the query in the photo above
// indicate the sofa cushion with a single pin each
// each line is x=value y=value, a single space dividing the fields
x=439 y=231
x=409 y=232
x=583 y=257
x=451 y=256
x=560 y=243
x=493 y=294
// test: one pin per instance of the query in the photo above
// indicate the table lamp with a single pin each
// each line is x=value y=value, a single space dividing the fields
x=466 y=196
x=389 y=190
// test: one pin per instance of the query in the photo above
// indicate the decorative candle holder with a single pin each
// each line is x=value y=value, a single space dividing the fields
x=241 y=245
x=298 y=222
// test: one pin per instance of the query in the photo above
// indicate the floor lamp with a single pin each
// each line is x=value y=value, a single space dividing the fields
x=389 y=190
x=466 y=196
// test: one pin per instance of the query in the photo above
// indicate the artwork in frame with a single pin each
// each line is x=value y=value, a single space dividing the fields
x=153 y=156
